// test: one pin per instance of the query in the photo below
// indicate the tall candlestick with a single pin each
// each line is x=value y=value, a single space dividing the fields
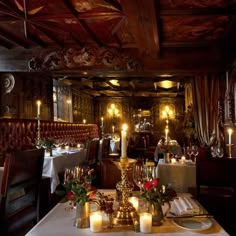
x=102 y=122
x=38 y=107
x=124 y=141
x=113 y=129
x=230 y=131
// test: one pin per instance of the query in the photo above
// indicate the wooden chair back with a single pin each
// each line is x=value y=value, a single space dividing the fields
x=20 y=190
x=105 y=148
x=92 y=152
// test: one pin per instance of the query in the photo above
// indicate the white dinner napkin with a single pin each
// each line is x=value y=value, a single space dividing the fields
x=185 y=206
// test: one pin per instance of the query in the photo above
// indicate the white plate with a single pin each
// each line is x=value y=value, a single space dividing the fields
x=195 y=224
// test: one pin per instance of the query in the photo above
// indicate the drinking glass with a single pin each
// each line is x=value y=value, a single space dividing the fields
x=138 y=175
x=189 y=152
x=195 y=152
x=150 y=173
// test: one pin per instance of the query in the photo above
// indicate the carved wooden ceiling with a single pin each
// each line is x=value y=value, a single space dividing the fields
x=88 y=43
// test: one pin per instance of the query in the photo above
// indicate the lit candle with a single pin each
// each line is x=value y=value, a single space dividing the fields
x=84 y=121
x=145 y=222
x=102 y=122
x=173 y=160
x=113 y=129
x=78 y=145
x=182 y=159
x=38 y=107
x=166 y=131
x=230 y=131
x=124 y=141
x=134 y=202
x=96 y=221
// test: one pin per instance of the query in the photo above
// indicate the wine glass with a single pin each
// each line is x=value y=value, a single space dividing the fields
x=220 y=152
x=213 y=151
x=189 y=152
x=195 y=152
x=138 y=175
x=150 y=173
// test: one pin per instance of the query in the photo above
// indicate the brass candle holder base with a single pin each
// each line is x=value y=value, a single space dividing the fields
x=230 y=147
x=125 y=214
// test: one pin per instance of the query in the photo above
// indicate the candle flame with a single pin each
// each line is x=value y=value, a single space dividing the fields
x=124 y=127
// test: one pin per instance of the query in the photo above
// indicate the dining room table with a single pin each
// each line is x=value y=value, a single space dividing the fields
x=181 y=175
x=59 y=222
x=59 y=161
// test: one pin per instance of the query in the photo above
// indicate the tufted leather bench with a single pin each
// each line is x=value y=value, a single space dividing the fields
x=20 y=134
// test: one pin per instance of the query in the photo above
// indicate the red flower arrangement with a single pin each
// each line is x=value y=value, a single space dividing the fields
x=79 y=189
x=154 y=193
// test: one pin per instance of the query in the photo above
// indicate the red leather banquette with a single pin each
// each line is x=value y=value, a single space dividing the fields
x=20 y=134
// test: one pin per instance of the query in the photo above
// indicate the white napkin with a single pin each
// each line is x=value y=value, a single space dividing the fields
x=185 y=206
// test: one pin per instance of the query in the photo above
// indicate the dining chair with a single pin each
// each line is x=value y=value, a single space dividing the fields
x=216 y=186
x=92 y=153
x=105 y=148
x=20 y=190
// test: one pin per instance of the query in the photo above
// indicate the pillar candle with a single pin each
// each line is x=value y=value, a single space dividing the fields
x=38 y=107
x=124 y=141
x=145 y=222
x=173 y=160
x=134 y=201
x=230 y=131
x=96 y=221
x=166 y=131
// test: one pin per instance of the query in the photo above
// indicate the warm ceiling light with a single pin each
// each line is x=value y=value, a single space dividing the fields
x=166 y=75
x=114 y=82
x=167 y=84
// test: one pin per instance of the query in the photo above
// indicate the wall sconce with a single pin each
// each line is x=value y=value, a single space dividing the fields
x=113 y=111
x=167 y=113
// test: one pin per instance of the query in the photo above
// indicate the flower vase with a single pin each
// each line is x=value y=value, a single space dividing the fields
x=157 y=214
x=82 y=215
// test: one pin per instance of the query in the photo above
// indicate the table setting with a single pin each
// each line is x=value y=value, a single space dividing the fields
x=155 y=208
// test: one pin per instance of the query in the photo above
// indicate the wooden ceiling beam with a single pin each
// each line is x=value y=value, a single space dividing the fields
x=81 y=16
x=33 y=37
x=81 y=22
x=50 y=35
x=142 y=20
x=201 y=11
x=5 y=43
x=14 y=38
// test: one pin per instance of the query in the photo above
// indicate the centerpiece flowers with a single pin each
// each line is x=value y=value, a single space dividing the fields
x=157 y=196
x=77 y=189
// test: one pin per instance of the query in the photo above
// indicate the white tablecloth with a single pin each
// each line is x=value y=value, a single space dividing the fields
x=59 y=161
x=59 y=222
x=180 y=176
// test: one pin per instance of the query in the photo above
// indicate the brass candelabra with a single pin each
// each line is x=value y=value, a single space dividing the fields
x=38 y=139
x=230 y=147
x=125 y=214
